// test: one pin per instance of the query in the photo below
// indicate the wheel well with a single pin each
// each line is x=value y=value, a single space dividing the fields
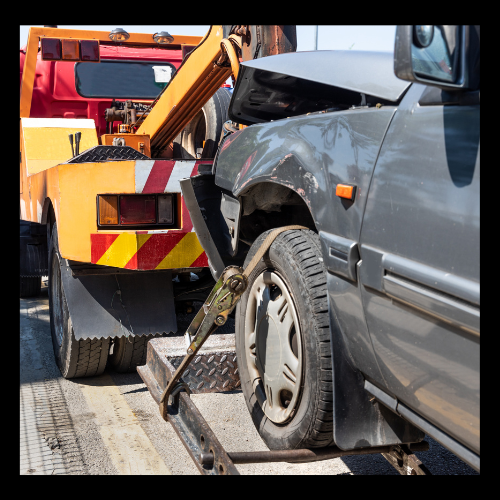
x=48 y=215
x=267 y=206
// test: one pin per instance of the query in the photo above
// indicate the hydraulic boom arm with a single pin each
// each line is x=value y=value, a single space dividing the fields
x=196 y=82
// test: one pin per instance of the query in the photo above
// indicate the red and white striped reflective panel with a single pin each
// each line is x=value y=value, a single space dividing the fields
x=163 y=176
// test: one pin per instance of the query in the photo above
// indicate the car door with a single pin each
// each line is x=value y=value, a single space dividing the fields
x=419 y=270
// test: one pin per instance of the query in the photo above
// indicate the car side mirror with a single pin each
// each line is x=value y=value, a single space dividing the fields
x=433 y=55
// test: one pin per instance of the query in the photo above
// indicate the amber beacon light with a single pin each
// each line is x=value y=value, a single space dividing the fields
x=163 y=38
x=119 y=35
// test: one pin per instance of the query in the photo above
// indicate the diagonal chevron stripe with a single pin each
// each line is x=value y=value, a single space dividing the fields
x=99 y=244
x=157 y=247
x=158 y=176
x=122 y=250
x=187 y=250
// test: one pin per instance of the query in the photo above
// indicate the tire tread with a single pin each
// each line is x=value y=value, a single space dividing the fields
x=130 y=353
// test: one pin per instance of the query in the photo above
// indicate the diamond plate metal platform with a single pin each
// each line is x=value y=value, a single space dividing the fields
x=108 y=153
x=214 y=369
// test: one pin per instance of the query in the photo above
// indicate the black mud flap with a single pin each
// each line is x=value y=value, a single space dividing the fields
x=118 y=305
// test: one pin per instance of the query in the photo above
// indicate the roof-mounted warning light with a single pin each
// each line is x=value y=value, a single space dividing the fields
x=55 y=49
x=119 y=35
x=163 y=38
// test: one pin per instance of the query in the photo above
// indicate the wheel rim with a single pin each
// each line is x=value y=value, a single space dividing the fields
x=273 y=347
x=56 y=298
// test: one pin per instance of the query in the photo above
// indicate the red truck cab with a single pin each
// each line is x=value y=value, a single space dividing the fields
x=64 y=89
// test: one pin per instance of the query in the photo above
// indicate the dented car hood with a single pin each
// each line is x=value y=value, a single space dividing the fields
x=296 y=83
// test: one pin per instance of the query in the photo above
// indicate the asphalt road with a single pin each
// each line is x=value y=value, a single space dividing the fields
x=111 y=425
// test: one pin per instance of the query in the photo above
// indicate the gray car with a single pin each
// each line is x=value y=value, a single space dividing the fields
x=361 y=327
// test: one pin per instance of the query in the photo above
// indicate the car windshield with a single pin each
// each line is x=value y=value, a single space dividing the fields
x=122 y=79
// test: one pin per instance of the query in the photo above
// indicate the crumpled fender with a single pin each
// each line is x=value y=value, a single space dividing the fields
x=265 y=154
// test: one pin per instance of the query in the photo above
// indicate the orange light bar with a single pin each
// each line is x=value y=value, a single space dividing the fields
x=345 y=191
x=108 y=210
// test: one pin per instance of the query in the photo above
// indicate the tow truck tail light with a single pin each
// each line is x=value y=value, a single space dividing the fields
x=51 y=49
x=165 y=209
x=89 y=50
x=138 y=209
x=108 y=210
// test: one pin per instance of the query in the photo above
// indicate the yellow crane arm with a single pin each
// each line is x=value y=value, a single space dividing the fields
x=194 y=84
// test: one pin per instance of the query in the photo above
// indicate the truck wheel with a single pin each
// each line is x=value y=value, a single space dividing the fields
x=75 y=358
x=206 y=127
x=30 y=286
x=129 y=352
x=283 y=344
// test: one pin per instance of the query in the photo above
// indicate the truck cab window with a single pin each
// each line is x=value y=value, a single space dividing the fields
x=122 y=79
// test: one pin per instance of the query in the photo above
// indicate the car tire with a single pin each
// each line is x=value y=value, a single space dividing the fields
x=75 y=358
x=30 y=286
x=286 y=303
x=206 y=127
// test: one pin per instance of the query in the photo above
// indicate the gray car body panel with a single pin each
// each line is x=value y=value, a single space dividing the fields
x=420 y=263
x=402 y=259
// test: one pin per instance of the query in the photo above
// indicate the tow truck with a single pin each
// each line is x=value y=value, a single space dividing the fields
x=101 y=212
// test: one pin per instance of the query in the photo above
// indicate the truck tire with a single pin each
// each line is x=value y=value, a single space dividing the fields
x=205 y=126
x=129 y=352
x=30 y=286
x=75 y=358
x=283 y=343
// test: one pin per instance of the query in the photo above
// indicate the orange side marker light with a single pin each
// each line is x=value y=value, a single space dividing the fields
x=346 y=191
